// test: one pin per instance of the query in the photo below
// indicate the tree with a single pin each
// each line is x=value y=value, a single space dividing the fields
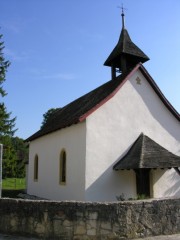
x=9 y=158
x=47 y=115
x=14 y=158
x=7 y=123
x=21 y=150
x=3 y=67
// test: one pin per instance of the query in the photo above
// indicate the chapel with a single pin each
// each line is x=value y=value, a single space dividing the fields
x=120 y=139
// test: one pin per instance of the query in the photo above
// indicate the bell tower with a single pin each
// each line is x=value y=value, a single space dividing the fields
x=126 y=54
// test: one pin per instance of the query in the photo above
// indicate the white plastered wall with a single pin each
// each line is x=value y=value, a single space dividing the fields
x=114 y=127
x=48 y=149
x=165 y=183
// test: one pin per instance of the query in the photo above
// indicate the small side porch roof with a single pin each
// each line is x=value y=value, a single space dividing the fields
x=146 y=153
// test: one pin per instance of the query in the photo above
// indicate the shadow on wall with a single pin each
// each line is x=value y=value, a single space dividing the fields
x=174 y=190
x=112 y=183
x=158 y=113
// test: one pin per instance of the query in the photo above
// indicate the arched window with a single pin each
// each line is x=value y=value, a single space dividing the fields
x=36 y=168
x=62 y=170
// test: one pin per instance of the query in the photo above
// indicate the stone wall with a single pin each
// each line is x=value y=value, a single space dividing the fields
x=86 y=220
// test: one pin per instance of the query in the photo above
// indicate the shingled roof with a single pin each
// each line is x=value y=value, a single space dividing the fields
x=146 y=153
x=78 y=110
x=125 y=46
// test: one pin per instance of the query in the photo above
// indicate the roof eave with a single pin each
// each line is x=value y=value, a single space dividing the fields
x=84 y=116
x=159 y=93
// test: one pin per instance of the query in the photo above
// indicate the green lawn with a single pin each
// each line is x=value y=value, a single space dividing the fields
x=13 y=183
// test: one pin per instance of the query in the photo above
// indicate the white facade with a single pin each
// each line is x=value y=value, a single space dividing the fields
x=48 y=149
x=95 y=145
x=114 y=127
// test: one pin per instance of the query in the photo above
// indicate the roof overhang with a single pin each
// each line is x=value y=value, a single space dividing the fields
x=146 y=153
x=78 y=110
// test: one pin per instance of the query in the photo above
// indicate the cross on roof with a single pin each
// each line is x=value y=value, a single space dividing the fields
x=122 y=14
x=122 y=8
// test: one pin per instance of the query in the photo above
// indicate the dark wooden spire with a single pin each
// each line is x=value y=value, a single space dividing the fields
x=126 y=54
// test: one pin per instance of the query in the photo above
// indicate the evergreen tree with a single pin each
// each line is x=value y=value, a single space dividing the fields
x=3 y=67
x=6 y=122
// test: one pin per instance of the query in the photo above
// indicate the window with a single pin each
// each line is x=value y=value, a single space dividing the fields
x=62 y=170
x=36 y=168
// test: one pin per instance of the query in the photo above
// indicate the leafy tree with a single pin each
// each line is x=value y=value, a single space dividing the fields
x=14 y=158
x=9 y=158
x=47 y=115
x=21 y=151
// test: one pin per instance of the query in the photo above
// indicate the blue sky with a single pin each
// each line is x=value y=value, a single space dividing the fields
x=57 y=49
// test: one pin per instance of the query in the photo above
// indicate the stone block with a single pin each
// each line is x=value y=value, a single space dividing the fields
x=79 y=214
x=67 y=223
x=91 y=232
x=93 y=216
x=105 y=231
x=40 y=229
x=106 y=225
x=57 y=227
x=92 y=223
x=80 y=230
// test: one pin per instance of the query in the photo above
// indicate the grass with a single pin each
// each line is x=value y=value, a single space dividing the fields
x=11 y=187
x=13 y=184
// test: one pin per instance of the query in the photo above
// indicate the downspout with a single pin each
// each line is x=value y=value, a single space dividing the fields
x=177 y=170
